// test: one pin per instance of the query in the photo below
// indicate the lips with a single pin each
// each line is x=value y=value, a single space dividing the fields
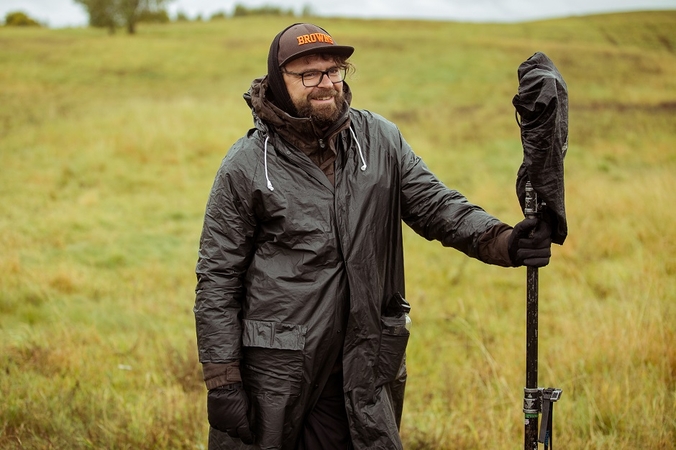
x=323 y=95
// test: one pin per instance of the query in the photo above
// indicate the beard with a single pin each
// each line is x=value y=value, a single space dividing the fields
x=322 y=115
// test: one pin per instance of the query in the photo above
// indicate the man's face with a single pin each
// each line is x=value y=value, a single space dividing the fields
x=323 y=102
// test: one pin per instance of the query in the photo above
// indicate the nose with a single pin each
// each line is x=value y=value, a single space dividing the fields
x=325 y=81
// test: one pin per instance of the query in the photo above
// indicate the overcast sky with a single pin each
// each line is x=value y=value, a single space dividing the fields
x=61 y=13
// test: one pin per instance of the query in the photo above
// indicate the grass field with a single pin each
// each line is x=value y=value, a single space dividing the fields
x=108 y=148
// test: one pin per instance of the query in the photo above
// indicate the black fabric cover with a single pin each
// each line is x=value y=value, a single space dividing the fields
x=542 y=103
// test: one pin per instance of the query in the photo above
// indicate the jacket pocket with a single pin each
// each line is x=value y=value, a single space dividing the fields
x=393 y=340
x=273 y=355
x=272 y=370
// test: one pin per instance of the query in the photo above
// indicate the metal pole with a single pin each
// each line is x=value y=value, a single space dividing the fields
x=531 y=392
x=531 y=401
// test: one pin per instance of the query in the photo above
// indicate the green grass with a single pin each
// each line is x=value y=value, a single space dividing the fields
x=108 y=148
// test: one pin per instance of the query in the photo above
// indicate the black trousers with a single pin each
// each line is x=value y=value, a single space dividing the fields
x=326 y=427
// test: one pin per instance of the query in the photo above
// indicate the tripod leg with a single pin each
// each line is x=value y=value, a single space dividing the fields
x=546 y=425
x=549 y=396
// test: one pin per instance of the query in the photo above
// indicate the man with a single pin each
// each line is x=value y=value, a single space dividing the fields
x=300 y=313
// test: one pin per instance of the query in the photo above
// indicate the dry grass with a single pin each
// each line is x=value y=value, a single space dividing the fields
x=108 y=147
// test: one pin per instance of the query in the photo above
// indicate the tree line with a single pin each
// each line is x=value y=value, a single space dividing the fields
x=127 y=14
x=113 y=14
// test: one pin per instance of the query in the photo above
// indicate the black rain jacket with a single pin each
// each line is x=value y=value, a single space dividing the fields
x=294 y=272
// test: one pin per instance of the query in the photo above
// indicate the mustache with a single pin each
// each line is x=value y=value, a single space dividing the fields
x=323 y=92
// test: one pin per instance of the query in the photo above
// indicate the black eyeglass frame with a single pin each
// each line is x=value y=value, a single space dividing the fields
x=342 y=71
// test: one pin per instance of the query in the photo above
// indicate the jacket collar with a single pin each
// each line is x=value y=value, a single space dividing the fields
x=300 y=132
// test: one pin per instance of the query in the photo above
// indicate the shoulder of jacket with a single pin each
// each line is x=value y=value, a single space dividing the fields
x=366 y=118
x=246 y=149
x=242 y=160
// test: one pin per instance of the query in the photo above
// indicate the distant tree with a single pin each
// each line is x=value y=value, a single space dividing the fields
x=20 y=19
x=240 y=10
x=265 y=10
x=159 y=16
x=308 y=11
x=219 y=15
x=123 y=13
x=181 y=17
x=102 y=13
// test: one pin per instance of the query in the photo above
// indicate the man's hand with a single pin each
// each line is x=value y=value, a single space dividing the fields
x=530 y=243
x=227 y=408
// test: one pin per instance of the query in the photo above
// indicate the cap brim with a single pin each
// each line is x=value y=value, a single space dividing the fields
x=341 y=50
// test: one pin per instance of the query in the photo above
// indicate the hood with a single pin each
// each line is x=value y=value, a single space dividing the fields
x=301 y=132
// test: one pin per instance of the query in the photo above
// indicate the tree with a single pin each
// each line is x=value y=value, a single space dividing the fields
x=308 y=11
x=265 y=10
x=218 y=15
x=102 y=13
x=127 y=13
x=19 y=19
x=159 y=16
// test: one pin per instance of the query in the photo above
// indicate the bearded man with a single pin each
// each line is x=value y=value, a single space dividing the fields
x=300 y=308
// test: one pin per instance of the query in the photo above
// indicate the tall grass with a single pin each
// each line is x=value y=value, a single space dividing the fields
x=108 y=148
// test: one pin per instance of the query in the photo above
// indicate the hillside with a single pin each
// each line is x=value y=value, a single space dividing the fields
x=108 y=148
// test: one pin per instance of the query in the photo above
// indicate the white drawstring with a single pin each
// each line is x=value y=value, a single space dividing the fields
x=361 y=155
x=265 y=158
x=265 y=162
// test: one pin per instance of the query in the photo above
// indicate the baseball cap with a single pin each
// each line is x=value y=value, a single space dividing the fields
x=304 y=39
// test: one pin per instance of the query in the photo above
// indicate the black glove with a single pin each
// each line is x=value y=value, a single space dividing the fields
x=530 y=243
x=227 y=408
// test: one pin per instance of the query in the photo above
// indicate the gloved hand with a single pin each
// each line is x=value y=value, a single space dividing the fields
x=530 y=243
x=227 y=408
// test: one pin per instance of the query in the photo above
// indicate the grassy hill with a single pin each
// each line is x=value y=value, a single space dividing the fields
x=108 y=148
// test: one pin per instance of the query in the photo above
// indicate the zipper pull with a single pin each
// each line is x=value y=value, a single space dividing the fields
x=321 y=143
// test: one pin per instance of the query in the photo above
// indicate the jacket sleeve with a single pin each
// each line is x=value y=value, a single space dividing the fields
x=226 y=246
x=436 y=212
x=494 y=246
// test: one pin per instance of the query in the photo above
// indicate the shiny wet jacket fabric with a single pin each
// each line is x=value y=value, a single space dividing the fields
x=295 y=272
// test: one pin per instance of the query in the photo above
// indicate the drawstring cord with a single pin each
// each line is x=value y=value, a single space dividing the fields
x=265 y=158
x=361 y=155
x=265 y=162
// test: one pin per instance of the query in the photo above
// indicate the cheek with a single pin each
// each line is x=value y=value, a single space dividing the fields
x=298 y=96
x=295 y=91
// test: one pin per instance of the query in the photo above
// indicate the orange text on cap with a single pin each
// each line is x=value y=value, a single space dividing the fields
x=314 y=37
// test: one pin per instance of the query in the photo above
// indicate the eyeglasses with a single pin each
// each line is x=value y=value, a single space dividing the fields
x=313 y=78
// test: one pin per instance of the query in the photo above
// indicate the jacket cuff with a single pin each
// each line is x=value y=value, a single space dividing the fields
x=494 y=246
x=217 y=375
